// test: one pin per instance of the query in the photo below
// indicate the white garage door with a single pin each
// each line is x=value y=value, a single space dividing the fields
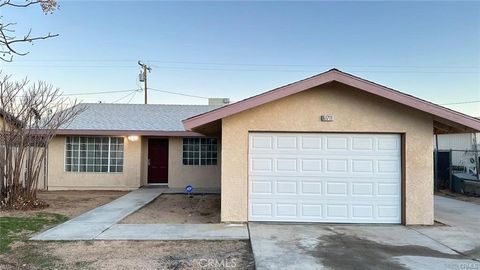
x=325 y=177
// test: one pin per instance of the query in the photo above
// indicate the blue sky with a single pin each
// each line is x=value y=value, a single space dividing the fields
x=237 y=49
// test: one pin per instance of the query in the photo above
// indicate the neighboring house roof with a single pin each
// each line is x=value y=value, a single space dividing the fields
x=10 y=118
x=326 y=77
x=138 y=119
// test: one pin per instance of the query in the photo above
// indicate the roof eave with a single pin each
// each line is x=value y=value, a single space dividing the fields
x=154 y=133
x=326 y=77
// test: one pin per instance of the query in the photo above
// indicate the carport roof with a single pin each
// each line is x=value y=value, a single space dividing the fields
x=446 y=120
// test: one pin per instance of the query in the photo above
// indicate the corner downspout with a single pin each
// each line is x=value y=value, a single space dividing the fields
x=45 y=170
x=475 y=149
x=435 y=173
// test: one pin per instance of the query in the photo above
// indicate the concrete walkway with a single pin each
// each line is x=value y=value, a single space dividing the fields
x=462 y=233
x=175 y=232
x=92 y=223
x=101 y=223
x=323 y=246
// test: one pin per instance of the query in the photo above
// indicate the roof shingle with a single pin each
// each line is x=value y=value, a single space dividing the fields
x=135 y=117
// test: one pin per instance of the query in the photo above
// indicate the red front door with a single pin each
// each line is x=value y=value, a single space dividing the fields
x=158 y=161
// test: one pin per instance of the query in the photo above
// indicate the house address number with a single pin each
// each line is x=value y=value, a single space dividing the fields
x=327 y=118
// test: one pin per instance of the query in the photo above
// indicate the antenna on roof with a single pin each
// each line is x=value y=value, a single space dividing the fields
x=142 y=77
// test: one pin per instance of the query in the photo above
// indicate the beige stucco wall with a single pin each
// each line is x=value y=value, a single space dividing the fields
x=135 y=171
x=58 y=178
x=354 y=111
x=179 y=175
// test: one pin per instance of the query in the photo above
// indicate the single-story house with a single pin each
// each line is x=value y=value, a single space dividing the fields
x=330 y=148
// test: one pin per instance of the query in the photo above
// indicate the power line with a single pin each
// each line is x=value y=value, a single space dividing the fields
x=245 y=64
x=132 y=93
x=177 y=93
x=251 y=70
x=314 y=71
x=133 y=96
x=463 y=102
x=100 y=92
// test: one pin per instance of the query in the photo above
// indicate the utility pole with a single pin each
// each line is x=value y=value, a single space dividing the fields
x=143 y=77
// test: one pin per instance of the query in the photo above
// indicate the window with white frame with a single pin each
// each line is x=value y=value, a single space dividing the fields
x=200 y=151
x=93 y=154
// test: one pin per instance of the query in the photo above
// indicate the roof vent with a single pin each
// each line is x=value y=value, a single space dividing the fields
x=218 y=101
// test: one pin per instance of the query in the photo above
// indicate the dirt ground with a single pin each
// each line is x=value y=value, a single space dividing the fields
x=178 y=208
x=131 y=255
x=70 y=203
x=458 y=196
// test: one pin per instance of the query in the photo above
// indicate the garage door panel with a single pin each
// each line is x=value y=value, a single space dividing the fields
x=336 y=143
x=262 y=210
x=336 y=211
x=388 y=211
x=261 y=187
x=363 y=165
x=310 y=143
x=260 y=142
x=262 y=165
x=362 y=143
x=388 y=166
x=388 y=143
x=285 y=165
x=313 y=165
x=362 y=211
x=329 y=211
x=286 y=210
x=337 y=189
x=312 y=187
x=286 y=142
x=327 y=186
x=286 y=187
x=348 y=178
x=311 y=210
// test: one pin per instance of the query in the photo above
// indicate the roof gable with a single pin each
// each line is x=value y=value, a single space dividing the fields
x=326 y=77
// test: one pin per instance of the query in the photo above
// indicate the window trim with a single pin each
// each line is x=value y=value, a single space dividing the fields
x=199 y=152
x=109 y=148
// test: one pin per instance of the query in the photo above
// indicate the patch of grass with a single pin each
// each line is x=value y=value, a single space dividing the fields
x=84 y=265
x=14 y=229
x=34 y=257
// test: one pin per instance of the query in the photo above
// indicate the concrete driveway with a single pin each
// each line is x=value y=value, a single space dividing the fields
x=315 y=246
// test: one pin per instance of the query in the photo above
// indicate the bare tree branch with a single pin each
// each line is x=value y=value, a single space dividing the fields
x=30 y=115
x=7 y=32
x=47 y=5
